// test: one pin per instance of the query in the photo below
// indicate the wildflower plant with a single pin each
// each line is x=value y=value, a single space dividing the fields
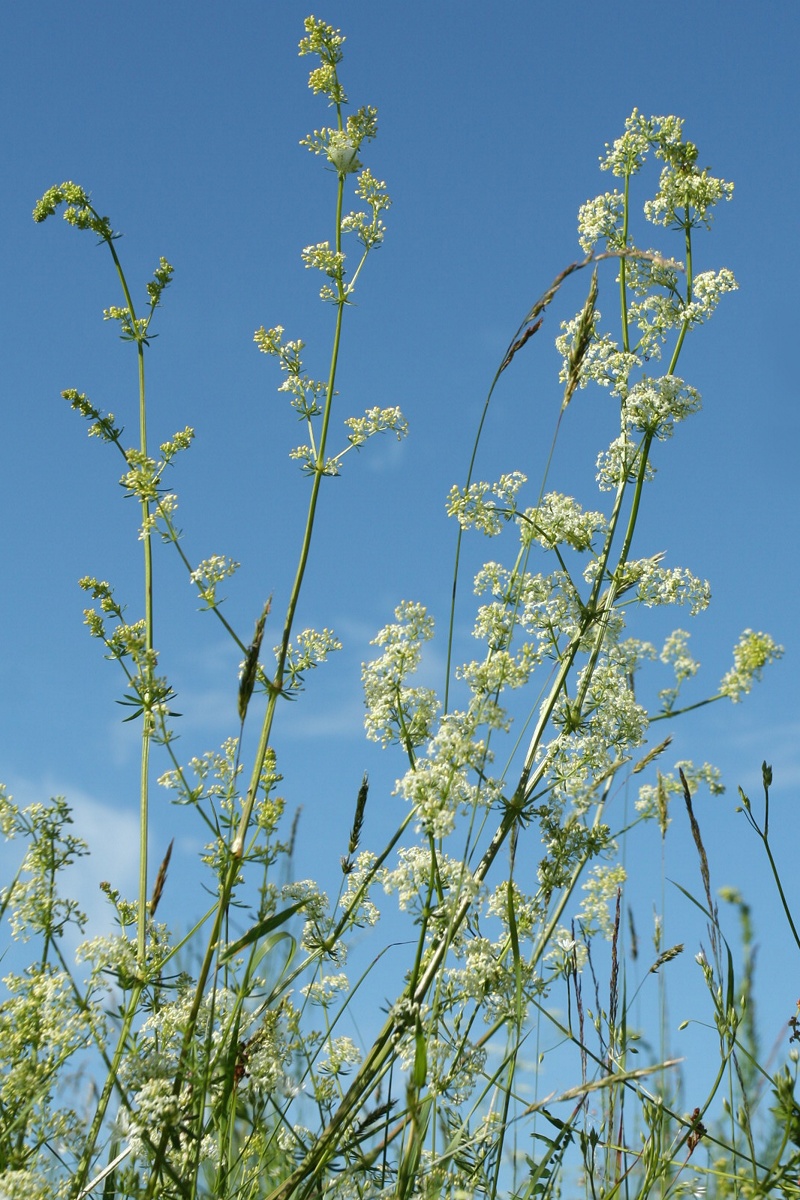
x=235 y=1077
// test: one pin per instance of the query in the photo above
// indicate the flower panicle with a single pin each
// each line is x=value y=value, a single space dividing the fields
x=78 y=211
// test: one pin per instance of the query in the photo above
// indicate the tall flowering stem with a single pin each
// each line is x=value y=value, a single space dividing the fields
x=340 y=147
x=80 y=213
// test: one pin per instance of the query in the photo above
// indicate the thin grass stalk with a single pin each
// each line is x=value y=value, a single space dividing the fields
x=762 y=832
x=529 y=326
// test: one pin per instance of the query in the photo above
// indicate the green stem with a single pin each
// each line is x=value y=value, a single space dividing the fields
x=112 y=1077
x=623 y=264
x=678 y=712
x=275 y=691
x=781 y=893
x=277 y=683
x=147 y=718
x=689 y=281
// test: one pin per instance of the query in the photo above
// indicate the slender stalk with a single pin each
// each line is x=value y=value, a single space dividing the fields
x=763 y=836
x=147 y=697
x=784 y=902
x=275 y=691
x=623 y=268
x=111 y=1081
x=305 y=548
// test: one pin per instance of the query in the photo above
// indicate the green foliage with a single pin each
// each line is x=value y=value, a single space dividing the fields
x=233 y=1077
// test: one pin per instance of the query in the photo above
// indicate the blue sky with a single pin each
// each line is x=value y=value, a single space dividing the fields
x=183 y=120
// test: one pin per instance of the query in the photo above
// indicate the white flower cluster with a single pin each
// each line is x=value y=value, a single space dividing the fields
x=316 y=912
x=453 y=1070
x=751 y=654
x=320 y=257
x=310 y=648
x=499 y=669
x=371 y=230
x=306 y=393
x=208 y=575
x=41 y=1028
x=600 y=892
x=474 y=507
x=596 y=733
x=684 y=191
x=655 y=799
x=657 y=585
x=489 y=979
x=355 y=900
x=628 y=153
x=395 y=711
x=326 y=989
x=376 y=420
x=342 y=1055
x=602 y=362
x=601 y=219
x=31 y=901
x=675 y=653
x=560 y=520
x=566 y=953
x=545 y=606
x=157 y=1108
x=440 y=785
x=708 y=288
x=621 y=463
x=654 y=406
x=422 y=883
